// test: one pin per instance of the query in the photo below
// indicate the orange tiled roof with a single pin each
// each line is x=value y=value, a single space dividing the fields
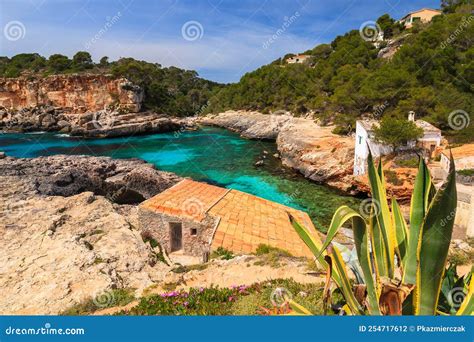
x=188 y=199
x=461 y=151
x=245 y=221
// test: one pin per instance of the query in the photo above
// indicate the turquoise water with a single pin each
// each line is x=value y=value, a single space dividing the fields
x=212 y=155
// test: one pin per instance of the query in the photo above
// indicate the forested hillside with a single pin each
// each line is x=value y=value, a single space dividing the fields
x=432 y=73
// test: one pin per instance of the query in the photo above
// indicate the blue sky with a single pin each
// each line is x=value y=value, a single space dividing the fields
x=225 y=38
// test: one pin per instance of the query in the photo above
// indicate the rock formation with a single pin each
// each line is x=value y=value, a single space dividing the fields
x=57 y=251
x=312 y=150
x=121 y=180
x=86 y=105
x=74 y=94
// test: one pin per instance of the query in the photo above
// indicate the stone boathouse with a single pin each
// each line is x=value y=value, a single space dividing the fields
x=194 y=218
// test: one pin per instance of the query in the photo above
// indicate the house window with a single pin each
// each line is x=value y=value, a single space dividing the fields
x=360 y=140
x=194 y=231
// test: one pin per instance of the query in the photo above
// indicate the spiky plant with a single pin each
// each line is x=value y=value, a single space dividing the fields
x=402 y=269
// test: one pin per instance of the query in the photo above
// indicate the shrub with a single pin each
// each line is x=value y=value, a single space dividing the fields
x=222 y=253
x=107 y=299
x=267 y=249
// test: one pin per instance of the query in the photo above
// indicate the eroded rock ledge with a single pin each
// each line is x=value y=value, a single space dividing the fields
x=310 y=149
x=57 y=251
x=86 y=105
x=124 y=181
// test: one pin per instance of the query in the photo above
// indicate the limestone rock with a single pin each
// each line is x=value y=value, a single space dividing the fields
x=57 y=251
x=122 y=181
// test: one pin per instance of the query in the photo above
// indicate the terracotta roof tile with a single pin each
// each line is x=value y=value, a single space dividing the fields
x=245 y=220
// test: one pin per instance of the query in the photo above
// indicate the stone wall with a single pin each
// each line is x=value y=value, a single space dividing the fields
x=464 y=222
x=158 y=225
x=76 y=93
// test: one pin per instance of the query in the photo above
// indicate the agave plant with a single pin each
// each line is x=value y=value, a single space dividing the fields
x=402 y=269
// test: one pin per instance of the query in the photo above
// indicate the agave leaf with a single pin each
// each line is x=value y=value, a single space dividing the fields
x=361 y=240
x=346 y=287
x=378 y=248
x=401 y=231
x=467 y=306
x=327 y=285
x=433 y=245
x=341 y=216
x=383 y=217
x=298 y=309
x=314 y=244
x=418 y=208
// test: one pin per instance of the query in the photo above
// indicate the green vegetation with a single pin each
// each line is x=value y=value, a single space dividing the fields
x=237 y=300
x=108 y=299
x=222 y=253
x=187 y=268
x=270 y=256
x=170 y=90
x=264 y=249
x=392 y=178
x=409 y=162
x=397 y=132
x=430 y=74
x=401 y=271
x=466 y=172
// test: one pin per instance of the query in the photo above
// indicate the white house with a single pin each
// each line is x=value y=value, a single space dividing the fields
x=364 y=139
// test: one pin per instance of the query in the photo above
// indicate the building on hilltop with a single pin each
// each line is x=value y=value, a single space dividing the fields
x=194 y=218
x=364 y=139
x=298 y=59
x=424 y=15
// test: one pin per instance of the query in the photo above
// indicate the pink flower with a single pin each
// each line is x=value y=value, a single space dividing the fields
x=231 y=298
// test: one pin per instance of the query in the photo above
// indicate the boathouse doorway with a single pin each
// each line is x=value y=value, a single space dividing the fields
x=176 y=234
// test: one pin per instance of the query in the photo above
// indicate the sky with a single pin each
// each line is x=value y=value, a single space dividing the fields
x=220 y=39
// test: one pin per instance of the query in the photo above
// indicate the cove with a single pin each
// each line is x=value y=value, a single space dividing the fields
x=212 y=155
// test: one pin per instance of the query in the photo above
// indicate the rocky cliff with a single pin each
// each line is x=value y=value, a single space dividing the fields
x=81 y=105
x=124 y=181
x=74 y=94
x=62 y=242
x=310 y=149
